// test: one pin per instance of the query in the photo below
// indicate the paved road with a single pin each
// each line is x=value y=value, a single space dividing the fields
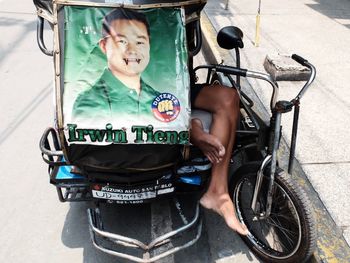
x=34 y=226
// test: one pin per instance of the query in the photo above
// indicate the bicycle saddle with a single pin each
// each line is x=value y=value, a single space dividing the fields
x=230 y=37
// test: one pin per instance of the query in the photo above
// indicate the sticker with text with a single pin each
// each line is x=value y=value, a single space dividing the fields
x=166 y=107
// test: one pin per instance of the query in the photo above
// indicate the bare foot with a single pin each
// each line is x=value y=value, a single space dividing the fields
x=211 y=147
x=222 y=204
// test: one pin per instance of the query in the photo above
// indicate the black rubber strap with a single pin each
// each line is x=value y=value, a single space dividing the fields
x=299 y=59
x=231 y=70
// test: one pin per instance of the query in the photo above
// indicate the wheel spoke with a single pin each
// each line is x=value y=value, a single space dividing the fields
x=284 y=231
x=282 y=216
x=274 y=224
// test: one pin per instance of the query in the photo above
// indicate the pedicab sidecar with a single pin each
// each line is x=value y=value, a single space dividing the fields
x=116 y=142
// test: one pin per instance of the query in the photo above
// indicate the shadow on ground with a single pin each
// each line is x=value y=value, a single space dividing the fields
x=338 y=10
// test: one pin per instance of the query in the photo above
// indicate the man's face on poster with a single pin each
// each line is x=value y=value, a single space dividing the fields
x=127 y=47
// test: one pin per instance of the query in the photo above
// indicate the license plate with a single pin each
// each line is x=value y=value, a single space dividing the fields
x=122 y=195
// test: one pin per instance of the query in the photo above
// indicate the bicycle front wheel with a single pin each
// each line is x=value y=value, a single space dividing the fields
x=289 y=233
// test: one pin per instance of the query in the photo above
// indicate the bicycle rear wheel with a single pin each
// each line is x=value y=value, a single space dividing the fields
x=289 y=233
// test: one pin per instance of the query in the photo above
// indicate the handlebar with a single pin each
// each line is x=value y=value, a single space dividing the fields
x=307 y=64
x=245 y=73
x=299 y=59
x=266 y=77
x=231 y=70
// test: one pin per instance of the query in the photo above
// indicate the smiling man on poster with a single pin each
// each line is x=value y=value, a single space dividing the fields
x=120 y=92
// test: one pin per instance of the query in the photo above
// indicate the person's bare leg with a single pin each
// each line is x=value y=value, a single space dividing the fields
x=209 y=144
x=223 y=103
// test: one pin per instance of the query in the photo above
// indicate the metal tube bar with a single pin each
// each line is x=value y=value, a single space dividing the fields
x=178 y=248
x=249 y=74
x=198 y=37
x=40 y=37
x=44 y=139
x=247 y=132
x=60 y=194
x=114 y=236
x=115 y=253
x=238 y=65
x=74 y=185
x=162 y=255
x=58 y=78
x=308 y=83
x=125 y=244
x=266 y=77
x=258 y=182
x=174 y=232
x=294 y=137
x=273 y=163
x=137 y=242
x=141 y=6
x=208 y=75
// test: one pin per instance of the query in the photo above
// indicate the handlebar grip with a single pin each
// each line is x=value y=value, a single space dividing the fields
x=300 y=60
x=231 y=70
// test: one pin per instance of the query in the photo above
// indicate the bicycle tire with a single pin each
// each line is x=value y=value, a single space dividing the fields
x=282 y=237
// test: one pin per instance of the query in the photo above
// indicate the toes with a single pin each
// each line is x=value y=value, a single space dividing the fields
x=238 y=227
x=243 y=230
x=212 y=148
x=221 y=151
x=214 y=157
x=218 y=155
x=210 y=157
x=224 y=207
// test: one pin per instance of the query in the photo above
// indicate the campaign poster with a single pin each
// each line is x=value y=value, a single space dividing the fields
x=126 y=79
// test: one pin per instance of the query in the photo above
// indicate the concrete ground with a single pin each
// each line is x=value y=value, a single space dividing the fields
x=319 y=31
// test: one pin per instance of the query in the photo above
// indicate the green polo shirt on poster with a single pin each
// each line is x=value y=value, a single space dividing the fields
x=109 y=98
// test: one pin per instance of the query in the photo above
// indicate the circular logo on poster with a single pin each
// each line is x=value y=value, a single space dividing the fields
x=166 y=107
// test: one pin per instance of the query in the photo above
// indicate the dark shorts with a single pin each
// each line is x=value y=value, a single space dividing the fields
x=195 y=90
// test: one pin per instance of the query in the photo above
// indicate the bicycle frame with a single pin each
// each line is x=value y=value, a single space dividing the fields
x=277 y=108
